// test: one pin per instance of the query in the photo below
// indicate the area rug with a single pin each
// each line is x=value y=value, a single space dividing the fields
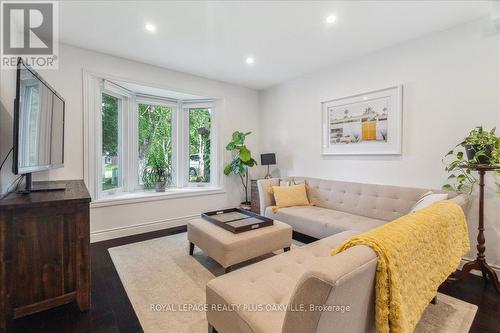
x=160 y=276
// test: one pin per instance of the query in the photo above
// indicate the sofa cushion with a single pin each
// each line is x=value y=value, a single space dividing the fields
x=383 y=202
x=271 y=281
x=322 y=222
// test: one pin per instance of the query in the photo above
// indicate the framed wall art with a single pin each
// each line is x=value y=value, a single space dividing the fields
x=364 y=124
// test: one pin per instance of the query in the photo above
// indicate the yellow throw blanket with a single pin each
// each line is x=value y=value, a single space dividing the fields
x=416 y=253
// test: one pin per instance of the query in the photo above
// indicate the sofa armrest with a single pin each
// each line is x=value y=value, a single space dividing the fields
x=463 y=200
x=346 y=284
x=266 y=199
x=311 y=289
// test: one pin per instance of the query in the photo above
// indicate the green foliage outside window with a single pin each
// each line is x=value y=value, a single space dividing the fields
x=199 y=145
x=109 y=113
x=155 y=144
x=109 y=125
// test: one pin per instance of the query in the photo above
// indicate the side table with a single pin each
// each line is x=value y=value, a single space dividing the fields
x=254 y=194
x=480 y=262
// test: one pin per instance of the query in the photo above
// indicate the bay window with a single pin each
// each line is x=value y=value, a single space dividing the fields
x=140 y=133
x=110 y=143
x=199 y=129
x=155 y=141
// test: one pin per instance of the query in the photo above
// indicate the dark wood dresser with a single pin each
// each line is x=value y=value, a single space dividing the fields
x=44 y=251
x=254 y=194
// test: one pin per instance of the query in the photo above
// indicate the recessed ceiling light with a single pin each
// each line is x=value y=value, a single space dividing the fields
x=331 y=19
x=150 y=27
x=249 y=60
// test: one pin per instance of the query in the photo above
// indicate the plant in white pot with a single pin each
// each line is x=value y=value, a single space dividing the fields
x=241 y=162
x=157 y=173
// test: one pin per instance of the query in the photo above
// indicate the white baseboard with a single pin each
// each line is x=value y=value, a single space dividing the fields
x=476 y=272
x=102 y=235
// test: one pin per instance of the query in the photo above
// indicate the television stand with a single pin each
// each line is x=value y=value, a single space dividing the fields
x=43 y=186
x=47 y=186
x=44 y=252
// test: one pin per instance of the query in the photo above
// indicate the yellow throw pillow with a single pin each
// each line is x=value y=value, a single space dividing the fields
x=293 y=195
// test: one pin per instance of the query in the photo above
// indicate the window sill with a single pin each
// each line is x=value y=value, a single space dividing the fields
x=148 y=196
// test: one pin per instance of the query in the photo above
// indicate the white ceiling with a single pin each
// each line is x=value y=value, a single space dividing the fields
x=287 y=38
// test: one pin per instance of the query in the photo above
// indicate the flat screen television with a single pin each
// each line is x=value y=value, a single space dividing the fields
x=38 y=126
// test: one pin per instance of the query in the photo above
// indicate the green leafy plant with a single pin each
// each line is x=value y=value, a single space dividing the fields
x=157 y=172
x=242 y=159
x=479 y=147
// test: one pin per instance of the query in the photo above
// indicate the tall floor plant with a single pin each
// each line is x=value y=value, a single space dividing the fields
x=242 y=159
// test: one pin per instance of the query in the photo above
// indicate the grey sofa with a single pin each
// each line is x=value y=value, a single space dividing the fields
x=342 y=206
x=344 y=284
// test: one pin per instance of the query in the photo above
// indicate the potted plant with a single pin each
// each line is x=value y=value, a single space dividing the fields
x=242 y=160
x=480 y=147
x=157 y=173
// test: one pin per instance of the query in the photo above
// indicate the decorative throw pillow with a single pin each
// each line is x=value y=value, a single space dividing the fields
x=428 y=199
x=293 y=195
x=286 y=183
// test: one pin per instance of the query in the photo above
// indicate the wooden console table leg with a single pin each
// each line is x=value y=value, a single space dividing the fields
x=480 y=262
x=83 y=257
x=5 y=311
x=5 y=307
x=6 y=266
x=480 y=236
x=466 y=270
x=492 y=276
x=191 y=248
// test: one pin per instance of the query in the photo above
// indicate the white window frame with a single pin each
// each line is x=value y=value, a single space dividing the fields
x=124 y=145
x=186 y=106
x=94 y=85
x=121 y=156
x=174 y=106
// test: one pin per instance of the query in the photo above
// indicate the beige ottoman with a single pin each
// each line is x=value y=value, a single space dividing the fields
x=228 y=248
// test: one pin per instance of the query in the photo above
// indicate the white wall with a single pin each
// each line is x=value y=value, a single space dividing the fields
x=240 y=113
x=451 y=83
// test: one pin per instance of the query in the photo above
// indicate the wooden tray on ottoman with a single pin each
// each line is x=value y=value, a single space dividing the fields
x=237 y=220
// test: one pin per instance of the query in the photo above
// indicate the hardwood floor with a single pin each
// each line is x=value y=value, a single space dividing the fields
x=111 y=311
x=475 y=291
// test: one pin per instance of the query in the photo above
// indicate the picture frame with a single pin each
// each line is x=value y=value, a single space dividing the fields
x=364 y=124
